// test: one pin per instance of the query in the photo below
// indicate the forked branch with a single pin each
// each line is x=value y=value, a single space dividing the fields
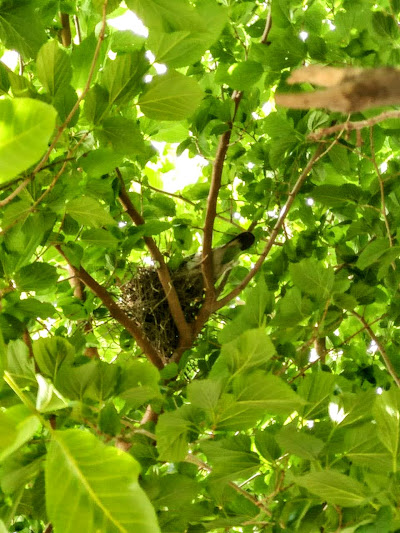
x=116 y=312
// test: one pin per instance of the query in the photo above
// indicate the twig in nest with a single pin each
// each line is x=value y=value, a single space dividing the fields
x=349 y=89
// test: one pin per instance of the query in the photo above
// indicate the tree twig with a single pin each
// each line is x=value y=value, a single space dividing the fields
x=117 y=313
x=65 y=32
x=355 y=125
x=382 y=351
x=284 y=211
x=184 y=329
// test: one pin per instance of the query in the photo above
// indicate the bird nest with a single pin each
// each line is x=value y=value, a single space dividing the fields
x=144 y=300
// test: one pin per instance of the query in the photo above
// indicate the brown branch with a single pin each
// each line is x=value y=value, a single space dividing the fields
x=211 y=213
x=117 y=313
x=79 y=293
x=355 y=125
x=65 y=32
x=184 y=329
x=382 y=351
x=285 y=210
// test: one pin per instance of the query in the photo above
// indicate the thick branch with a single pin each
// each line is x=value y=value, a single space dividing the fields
x=216 y=178
x=116 y=312
x=184 y=329
x=285 y=210
x=382 y=351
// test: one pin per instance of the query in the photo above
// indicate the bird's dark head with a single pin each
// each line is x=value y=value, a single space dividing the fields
x=243 y=240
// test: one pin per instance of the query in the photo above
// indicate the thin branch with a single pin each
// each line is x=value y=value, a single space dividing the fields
x=285 y=210
x=382 y=351
x=193 y=459
x=185 y=331
x=117 y=313
x=381 y=187
x=77 y=29
x=216 y=179
x=355 y=125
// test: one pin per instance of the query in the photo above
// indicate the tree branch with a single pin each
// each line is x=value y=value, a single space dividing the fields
x=382 y=351
x=117 y=313
x=355 y=125
x=285 y=210
x=65 y=32
x=185 y=331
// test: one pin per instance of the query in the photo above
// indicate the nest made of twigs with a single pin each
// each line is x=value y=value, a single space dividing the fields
x=144 y=300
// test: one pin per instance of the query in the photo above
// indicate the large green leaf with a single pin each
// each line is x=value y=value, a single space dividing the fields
x=92 y=487
x=25 y=128
x=334 y=487
x=89 y=212
x=36 y=277
x=313 y=278
x=17 y=425
x=387 y=415
x=21 y=28
x=53 y=67
x=299 y=442
x=51 y=353
x=171 y=96
x=123 y=77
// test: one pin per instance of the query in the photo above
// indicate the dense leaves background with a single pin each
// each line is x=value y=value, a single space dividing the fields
x=284 y=414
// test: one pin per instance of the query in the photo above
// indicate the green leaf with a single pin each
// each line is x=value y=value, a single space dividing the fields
x=50 y=353
x=17 y=425
x=334 y=487
x=163 y=15
x=172 y=434
x=387 y=415
x=317 y=390
x=36 y=277
x=171 y=96
x=25 y=128
x=99 y=237
x=88 y=211
x=19 y=363
x=21 y=28
x=299 y=443
x=122 y=135
x=96 y=484
x=242 y=76
x=363 y=447
x=313 y=278
x=231 y=459
x=372 y=253
x=48 y=399
x=100 y=162
x=139 y=383
x=123 y=77
x=250 y=351
x=204 y=393
x=53 y=67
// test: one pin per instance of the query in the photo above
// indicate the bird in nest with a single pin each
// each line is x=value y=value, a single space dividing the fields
x=223 y=257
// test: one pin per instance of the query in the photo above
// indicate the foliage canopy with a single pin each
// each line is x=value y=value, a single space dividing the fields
x=279 y=408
